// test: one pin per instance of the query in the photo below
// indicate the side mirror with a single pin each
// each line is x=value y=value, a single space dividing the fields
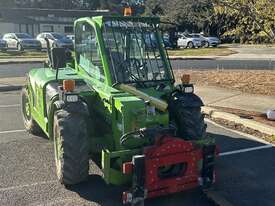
x=58 y=58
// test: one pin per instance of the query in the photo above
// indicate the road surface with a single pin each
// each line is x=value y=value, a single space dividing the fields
x=19 y=70
x=27 y=170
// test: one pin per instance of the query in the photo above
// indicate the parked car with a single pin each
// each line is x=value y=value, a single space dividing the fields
x=151 y=42
x=56 y=40
x=3 y=44
x=207 y=41
x=71 y=37
x=167 y=43
x=188 y=41
x=21 y=41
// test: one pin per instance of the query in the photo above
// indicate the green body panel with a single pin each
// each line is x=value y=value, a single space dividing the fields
x=116 y=111
x=37 y=82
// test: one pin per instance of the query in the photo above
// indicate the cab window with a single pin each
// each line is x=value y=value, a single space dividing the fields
x=87 y=51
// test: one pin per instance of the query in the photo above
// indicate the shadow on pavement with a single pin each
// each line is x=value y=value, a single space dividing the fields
x=96 y=190
x=245 y=179
x=228 y=143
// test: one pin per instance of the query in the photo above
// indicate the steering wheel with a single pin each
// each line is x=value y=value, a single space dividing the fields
x=128 y=66
x=125 y=67
x=141 y=69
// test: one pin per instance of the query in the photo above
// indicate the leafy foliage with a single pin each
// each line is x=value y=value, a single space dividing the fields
x=248 y=20
x=182 y=14
x=252 y=20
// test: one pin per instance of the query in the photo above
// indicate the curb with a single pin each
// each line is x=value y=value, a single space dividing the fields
x=192 y=58
x=213 y=113
x=10 y=88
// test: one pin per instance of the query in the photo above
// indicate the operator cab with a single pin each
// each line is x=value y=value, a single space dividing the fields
x=134 y=56
x=132 y=47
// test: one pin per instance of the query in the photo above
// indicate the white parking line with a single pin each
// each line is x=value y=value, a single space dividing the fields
x=248 y=136
x=10 y=105
x=27 y=185
x=245 y=150
x=12 y=131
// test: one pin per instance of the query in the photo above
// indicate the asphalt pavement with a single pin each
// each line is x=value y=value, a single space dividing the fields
x=17 y=70
x=20 y=70
x=27 y=170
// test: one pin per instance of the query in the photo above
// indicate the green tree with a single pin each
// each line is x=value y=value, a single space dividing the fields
x=183 y=14
x=251 y=20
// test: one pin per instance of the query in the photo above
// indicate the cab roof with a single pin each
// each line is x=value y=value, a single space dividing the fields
x=102 y=19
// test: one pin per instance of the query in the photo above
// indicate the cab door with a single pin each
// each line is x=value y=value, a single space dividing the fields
x=90 y=65
x=88 y=55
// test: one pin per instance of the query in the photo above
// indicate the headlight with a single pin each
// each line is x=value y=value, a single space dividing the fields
x=72 y=98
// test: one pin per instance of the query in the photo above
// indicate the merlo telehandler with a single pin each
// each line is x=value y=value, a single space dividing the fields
x=114 y=100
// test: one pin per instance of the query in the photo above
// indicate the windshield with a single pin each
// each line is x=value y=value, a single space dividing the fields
x=188 y=36
x=134 y=52
x=58 y=36
x=23 y=36
x=196 y=36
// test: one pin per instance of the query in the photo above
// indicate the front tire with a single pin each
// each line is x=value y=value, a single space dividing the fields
x=190 y=123
x=30 y=124
x=71 y=147
x=20 y=47
x=54 y=45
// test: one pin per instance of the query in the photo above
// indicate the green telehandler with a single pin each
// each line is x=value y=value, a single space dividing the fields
x=115 y=101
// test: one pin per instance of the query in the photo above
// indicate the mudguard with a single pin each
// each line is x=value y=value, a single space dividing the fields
x=185 y=99
x=79 y=107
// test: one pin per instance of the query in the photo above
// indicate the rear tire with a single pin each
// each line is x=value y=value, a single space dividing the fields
x=71 y=147
x=190 y=123
x=30 y=124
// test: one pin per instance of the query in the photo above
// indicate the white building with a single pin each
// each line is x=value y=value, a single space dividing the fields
x=35 y=21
